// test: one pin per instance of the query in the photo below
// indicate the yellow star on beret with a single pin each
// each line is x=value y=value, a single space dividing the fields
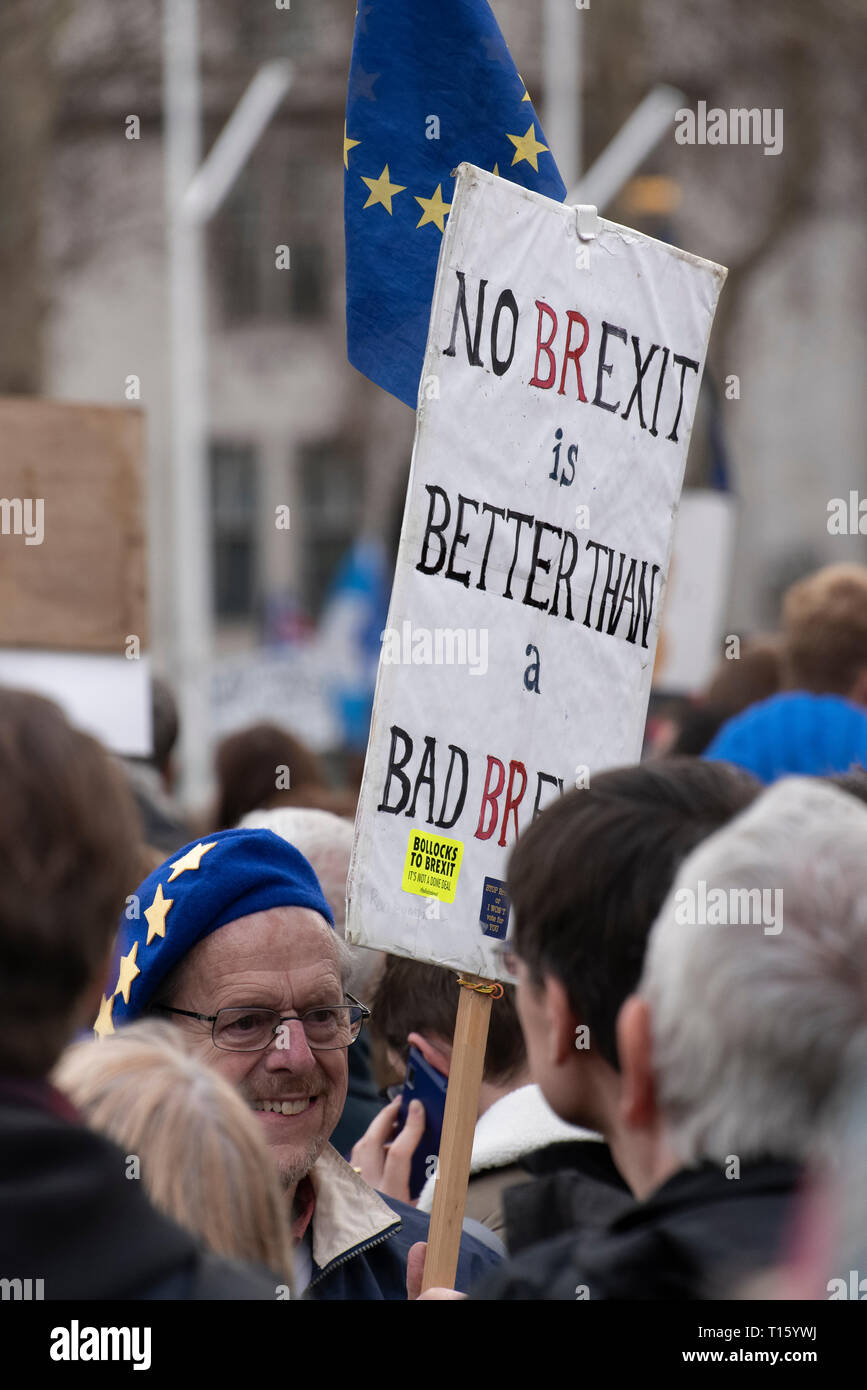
x=156 y=914
x=191 y=860
x=103 y=1025
x=128 y=970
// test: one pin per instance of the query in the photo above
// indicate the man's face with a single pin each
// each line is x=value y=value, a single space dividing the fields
x=548 y=1028
x=283 y=959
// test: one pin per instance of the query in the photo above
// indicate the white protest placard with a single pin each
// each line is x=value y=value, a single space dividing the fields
x=555 y=409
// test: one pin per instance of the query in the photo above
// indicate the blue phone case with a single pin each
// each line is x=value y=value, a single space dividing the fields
x=423 y=1082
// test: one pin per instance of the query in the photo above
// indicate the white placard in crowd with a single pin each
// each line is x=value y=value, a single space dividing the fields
x=286 y=686
x=107 y=696
x=555 y=408
x=690 y=638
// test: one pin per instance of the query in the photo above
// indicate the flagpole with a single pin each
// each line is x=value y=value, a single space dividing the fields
x=194 y=192
x=562 y=62
x=188 y=487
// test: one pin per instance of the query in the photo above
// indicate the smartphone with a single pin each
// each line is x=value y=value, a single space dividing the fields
x=423 y=1082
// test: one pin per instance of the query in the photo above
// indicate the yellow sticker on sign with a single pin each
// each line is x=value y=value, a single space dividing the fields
x=432 y=866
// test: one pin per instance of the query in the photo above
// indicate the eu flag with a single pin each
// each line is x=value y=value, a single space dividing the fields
x=432 y=84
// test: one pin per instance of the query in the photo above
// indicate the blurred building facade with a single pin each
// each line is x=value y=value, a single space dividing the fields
x=292 y=424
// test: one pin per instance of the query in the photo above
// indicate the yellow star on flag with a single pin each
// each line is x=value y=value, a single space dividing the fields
x=526 y=96
x=527 y=147
x=347 y=146
x=191 y=860
x=103 y=1025
x=497 y=170
x=433 y=209
x=128 y=970
x=382 y=190
x=156 y=914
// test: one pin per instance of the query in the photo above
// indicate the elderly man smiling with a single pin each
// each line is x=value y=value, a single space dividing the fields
x=233 y=940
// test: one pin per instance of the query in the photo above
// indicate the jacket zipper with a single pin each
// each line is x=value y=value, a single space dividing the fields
x=350 y=1254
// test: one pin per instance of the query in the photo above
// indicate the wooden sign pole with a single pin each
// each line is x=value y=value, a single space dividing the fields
x=459 y=1123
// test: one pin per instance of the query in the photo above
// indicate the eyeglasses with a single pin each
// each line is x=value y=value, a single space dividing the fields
x=326 y=1028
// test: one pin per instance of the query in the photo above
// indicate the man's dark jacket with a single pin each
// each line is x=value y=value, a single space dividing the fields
x=576 y=1187
x=698 y=1236
x=361 y=1239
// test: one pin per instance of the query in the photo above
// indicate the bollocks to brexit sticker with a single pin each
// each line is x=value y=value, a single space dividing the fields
x=432 y=866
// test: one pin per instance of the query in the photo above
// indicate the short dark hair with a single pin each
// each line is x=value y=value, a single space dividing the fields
x=589 y=876
x=69 y=837
x=247 y=764
x=414 y=997
x=165 y=723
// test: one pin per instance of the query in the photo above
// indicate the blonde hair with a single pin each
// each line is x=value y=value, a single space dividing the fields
x=825 y=629
x=204 y=1160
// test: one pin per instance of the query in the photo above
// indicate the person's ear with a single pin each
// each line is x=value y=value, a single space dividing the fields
x=436 y=1052
x=560 y=1020
x=634 y=1051
x=858 y=693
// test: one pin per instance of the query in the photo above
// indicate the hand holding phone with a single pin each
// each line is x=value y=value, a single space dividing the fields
x=423 y=1083
x=383 y=1157
x=398 y=1152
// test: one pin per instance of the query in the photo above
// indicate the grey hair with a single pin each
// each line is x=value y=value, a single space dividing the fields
x=753 y=1030
x=346 y=962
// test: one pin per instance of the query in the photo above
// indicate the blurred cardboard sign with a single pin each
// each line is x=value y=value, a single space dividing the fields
x=72 y=535
x=73 y=564
x=691 y=633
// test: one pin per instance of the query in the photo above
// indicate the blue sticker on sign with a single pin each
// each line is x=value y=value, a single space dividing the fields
x=494 y=912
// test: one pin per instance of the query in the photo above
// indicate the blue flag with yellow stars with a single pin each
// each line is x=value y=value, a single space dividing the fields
x=432 y=84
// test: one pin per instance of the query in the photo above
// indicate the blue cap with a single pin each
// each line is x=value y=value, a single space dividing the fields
x=201 y=887
x=794 y=733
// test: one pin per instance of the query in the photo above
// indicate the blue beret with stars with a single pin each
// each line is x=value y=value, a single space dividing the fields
x=203 y=886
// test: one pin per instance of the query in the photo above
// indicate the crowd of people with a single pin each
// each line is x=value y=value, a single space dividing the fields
x=674 y=1096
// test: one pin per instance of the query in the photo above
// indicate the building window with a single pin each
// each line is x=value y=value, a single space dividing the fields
x=234 y=502
x=264 y=31
x=331 y=493
x=306 y=281
x=258 y=217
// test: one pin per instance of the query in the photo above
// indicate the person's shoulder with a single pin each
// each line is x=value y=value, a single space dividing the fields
x=221 y=1278
x=476 y=1255
x=217 y=1278
x=697 y=1232
x=546 y=1271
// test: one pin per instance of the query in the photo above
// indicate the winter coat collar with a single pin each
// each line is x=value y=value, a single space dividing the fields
x=706 y=1184
x=348 y=1213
